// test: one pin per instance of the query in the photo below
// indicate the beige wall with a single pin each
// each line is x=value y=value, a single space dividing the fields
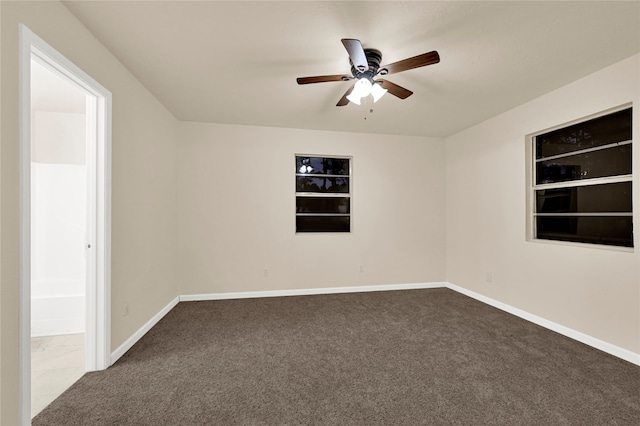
x=594 y=291
x=144 y=184
x=237 y=211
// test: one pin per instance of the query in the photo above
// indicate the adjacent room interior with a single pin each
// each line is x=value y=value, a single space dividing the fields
x=210 y=133
x=59 y=192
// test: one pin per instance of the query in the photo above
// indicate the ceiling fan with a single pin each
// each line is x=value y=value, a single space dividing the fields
x=365 y=66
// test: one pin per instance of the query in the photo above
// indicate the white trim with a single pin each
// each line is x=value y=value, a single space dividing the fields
x=308 y=291
x=90 y=338
x=99 y=235
x=583 y=182
x=24 y=119
x=584 y=151
x=128 y=344
x=135 y=337
x=605 y=214
x=550 y=325
x=583 y=245
x=32 y=46
x=616 y=351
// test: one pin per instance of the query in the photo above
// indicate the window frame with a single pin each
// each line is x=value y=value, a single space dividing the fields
x=532 y=187
x=348 y=195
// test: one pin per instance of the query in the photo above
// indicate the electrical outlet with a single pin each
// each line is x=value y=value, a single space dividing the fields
x=489 y=277
x=125 y=309
x=265 y=273
x=361 y=268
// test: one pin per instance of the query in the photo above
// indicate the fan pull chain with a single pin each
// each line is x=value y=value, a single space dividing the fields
x=368 y=107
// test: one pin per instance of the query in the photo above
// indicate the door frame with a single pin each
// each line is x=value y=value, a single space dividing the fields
x=98 y=245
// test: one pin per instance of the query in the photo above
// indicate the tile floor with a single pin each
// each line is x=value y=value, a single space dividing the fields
x=56 y=363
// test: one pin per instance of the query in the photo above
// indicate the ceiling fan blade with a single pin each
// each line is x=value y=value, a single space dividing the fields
x=411 y=63
x=343 y=100
x=356 y=53
x=322 y=79
x=395 y=90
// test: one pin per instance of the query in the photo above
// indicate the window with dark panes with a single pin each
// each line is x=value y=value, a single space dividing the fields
x=323 y=194
x=583 y=182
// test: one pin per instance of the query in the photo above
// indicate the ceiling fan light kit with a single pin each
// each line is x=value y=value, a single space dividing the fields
x=365 y=87
x=365 y=67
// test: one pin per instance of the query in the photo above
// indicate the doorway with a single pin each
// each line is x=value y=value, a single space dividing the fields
x=59 y=217
x=65 y=205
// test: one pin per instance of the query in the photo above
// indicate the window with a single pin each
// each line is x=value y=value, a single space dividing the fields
x=323 y=194
x=582 y=182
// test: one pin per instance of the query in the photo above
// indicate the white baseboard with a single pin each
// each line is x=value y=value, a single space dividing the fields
x=128 y=344
x=573 y=334
x=616 y=351
x=308 y=291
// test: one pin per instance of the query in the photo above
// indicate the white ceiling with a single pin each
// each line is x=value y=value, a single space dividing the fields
x=237 y=62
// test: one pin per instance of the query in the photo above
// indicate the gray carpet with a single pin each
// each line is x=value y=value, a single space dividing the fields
x=419 y=357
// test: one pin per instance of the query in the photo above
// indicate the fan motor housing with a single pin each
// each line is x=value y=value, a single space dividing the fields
x=373 y=60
